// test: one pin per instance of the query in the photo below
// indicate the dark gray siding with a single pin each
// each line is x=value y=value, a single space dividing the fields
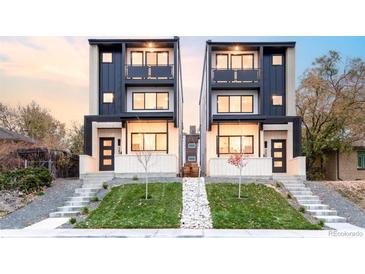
x=273 y=83
x=110 y=77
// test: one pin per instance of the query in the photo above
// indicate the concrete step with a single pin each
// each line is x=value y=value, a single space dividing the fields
x=69 y=208
x=323 y=212
x=299 y=193
x=86 y=190
x=315 y=206
x=308 y=202
x=79 y=198
x=332 y=219
x=294 y=185
x=76 y=203
x=64 y=214
x=306 y=197
x=291 y=188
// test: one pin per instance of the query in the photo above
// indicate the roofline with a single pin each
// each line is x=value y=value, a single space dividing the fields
x=137 y=40
x=288 y=44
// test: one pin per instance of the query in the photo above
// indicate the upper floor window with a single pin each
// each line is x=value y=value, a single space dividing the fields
x=236 y=144
x=107 y=57
x=277 y=100
x=191 y=158
x=149 y=142
x=158 y=58
x=235 y=103
x=242 y=61
x=137 y=58
x=150 y=100
x=221 y=61
x=361 y=159
x=277 y=60
x=191 y=145
x=108 y=97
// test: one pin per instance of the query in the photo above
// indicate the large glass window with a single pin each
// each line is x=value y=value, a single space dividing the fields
x=108 y=97
x=236 y=144
x=107 y=57
x=150 y=100
x=137 y=58
x=160 y=58
x=236 y=61
x=361 y=159
x=247 y=61
x=242 y=61
x=222 y=61
x=235 y=103
x=149 y=142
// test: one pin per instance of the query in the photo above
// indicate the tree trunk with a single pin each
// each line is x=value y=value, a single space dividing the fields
x=239 y=185
x=146 y=177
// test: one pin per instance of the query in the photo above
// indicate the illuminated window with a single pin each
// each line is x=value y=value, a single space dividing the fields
x=107 y=152
x=107 y=57
x=235 y=144
x=137 y=58
x=278 y=154
x=236 y=61
x=107 y=162
x=241 y=104
x=278 y=145
x=163 y=100
x=150 y=100
x=107 y=143
x=149 y=141
x=108 y=97
x=222 y=61
x=277 y=100
x=159 y=58
x=277 y=60
x=242 y=61
x=278 y=163
x=247 y=61
x=138 y=101
x=163 y=58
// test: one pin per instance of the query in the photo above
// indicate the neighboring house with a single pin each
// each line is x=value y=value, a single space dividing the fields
x=247 y=105
x=135 y=107
x=10 y=137
x=191 y=144
x=346 y=166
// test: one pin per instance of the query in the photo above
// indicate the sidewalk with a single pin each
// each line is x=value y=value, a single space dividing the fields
x=171 y=233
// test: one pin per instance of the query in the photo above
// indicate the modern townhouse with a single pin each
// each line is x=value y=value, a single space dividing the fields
x=247 y=105
x=135 y=107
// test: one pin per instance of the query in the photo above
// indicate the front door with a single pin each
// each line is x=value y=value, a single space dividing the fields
x=106 y=161
x=278 y=154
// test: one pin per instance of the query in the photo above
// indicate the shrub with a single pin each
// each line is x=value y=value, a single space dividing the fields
x=27 y=180
x=85 y=210
x=289 y=196
x=321 y=223
x=72 y=220
x=135 y=178
x=278 y=184
x=302 y=209
x=105 y=185
x=94 y=199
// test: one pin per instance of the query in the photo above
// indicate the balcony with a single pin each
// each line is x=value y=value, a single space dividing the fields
x=240 y=78
x=146 y=73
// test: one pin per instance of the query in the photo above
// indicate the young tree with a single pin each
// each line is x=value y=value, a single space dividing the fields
x=144 y=157
x=331 y=102
x=239 y=161
x=76 y=138
x=8 y=118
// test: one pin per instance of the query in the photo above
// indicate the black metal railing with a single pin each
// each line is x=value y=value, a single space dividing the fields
x=236 y=75
x=149 y=72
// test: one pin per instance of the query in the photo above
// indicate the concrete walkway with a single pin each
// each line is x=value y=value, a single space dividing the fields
x=176 y=233
x=49 y=223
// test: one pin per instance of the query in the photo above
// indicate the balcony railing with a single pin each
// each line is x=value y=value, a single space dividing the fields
x=149 y=72
x=235 y=75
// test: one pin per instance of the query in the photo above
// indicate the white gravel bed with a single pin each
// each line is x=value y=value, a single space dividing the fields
x=196 y=211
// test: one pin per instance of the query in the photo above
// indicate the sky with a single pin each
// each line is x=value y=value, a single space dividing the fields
x=53 y=71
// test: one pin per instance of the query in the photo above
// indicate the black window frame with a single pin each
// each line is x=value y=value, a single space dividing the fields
x=131 y=58
x=157 y=52
x=229 y=136
x=155 y=133
x=242 y=54
x=144 y=100
x=216 y=60
x=229 y=103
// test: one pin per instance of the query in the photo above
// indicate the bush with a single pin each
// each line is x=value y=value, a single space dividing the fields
x=135 y=178
x=321 y=223
x=94 y=199
x=289 y=196
x=278 y=184
x=72 y=220
x=27 y=180
x=105 y=185
x=302 y=209
x=85 y=210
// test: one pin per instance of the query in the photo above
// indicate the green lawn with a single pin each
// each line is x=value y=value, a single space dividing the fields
x=125 y=207
x=260 y=208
